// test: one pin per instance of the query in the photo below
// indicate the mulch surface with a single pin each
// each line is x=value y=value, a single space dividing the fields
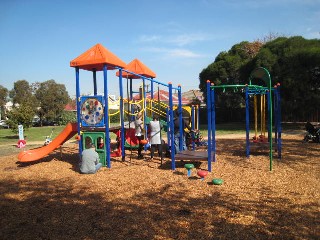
x=139 y=199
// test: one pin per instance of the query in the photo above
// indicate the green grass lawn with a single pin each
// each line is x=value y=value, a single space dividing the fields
x=40 y=133
x=31 y=134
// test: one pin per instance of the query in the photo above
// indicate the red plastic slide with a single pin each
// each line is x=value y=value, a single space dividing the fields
x=35 y=154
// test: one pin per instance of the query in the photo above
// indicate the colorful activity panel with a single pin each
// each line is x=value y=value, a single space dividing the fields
x=92 y=114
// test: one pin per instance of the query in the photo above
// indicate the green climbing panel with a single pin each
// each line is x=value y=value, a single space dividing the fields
x=99 y=140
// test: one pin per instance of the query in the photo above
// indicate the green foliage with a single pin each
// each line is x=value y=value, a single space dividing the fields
x=20 y=115
x=22 y=94
x=3 y=95
x=295 y=65
x=67 y=117
x=31 y=134
x=3 y=99
x=114 y=118
x=225 y=70
x=52 y=97
x=294 y=62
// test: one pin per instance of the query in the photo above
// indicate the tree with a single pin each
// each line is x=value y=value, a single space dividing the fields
x=293 y=61
x=225 y=70
x=3 y=99
x=67 y=117
x=52 y=97
x=22 y=93
x=23 y=114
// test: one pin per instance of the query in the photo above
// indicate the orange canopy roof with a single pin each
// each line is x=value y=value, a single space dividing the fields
x=137 y=67
x=95 y=58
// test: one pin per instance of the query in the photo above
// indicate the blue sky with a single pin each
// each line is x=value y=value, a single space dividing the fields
x=174 y=38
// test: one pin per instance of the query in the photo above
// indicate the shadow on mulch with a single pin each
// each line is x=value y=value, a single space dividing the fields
x=61 y=210
x=68 y=154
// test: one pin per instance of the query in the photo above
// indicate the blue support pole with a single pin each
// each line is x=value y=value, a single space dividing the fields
x=106 y=114
x=131 y=92
x=151 y=89
x=270 y=109
x=279 y=121
x=275 y=109
x=144 y=98
x=121 y=116
x=78 y=109
x=173 y=163
x=168 y=126
x=131 y=97
x=268 y=94
x=198 y=116
x=213 y=124
x=247 y=122
x=181 y=130
x=209 y=116
x=278 y=114
x=192 y=126
x=94 y=82
x=145 y=126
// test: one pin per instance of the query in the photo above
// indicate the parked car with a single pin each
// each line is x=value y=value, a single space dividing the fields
x=3 y=124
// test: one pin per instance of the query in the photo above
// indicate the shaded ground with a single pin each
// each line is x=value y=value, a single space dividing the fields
x=141 y=200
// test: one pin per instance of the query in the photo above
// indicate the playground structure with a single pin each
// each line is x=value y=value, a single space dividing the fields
x=93 y=124
x=274 y=112
x=93 y=111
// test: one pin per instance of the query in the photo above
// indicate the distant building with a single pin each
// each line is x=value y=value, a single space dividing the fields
x=9 y=105
x=163 y=97
x=191 y=95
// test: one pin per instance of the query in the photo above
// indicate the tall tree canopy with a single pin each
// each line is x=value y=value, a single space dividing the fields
x=226 y=70
x=22 y=93
x=3 y=99
x=52 y=97
x=294 y=62
x=24 y=112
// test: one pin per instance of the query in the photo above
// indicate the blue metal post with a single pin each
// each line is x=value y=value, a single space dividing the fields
x=275 y=109
x=131 y=93
x=279 y=121
x=198 y=116
x=168 y=126
x=268 y=94
x=209 y=116
x=145 y=126
x=181 y=126
x=78 y=109
x=121 y=116
x=144 y=101
x=213 y=123
x=131 y=97
x=173 y=163
x=152 y=105
x=192 y=127
x=94 y=82
x=106 y=114
x=247 y=122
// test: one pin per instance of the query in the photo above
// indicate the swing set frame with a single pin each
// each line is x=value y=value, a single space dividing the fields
x=250 y=89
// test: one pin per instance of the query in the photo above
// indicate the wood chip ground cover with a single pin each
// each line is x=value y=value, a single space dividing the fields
x=139 y=199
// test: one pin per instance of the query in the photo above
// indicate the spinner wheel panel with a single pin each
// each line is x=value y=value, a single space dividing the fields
x=92 y=112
